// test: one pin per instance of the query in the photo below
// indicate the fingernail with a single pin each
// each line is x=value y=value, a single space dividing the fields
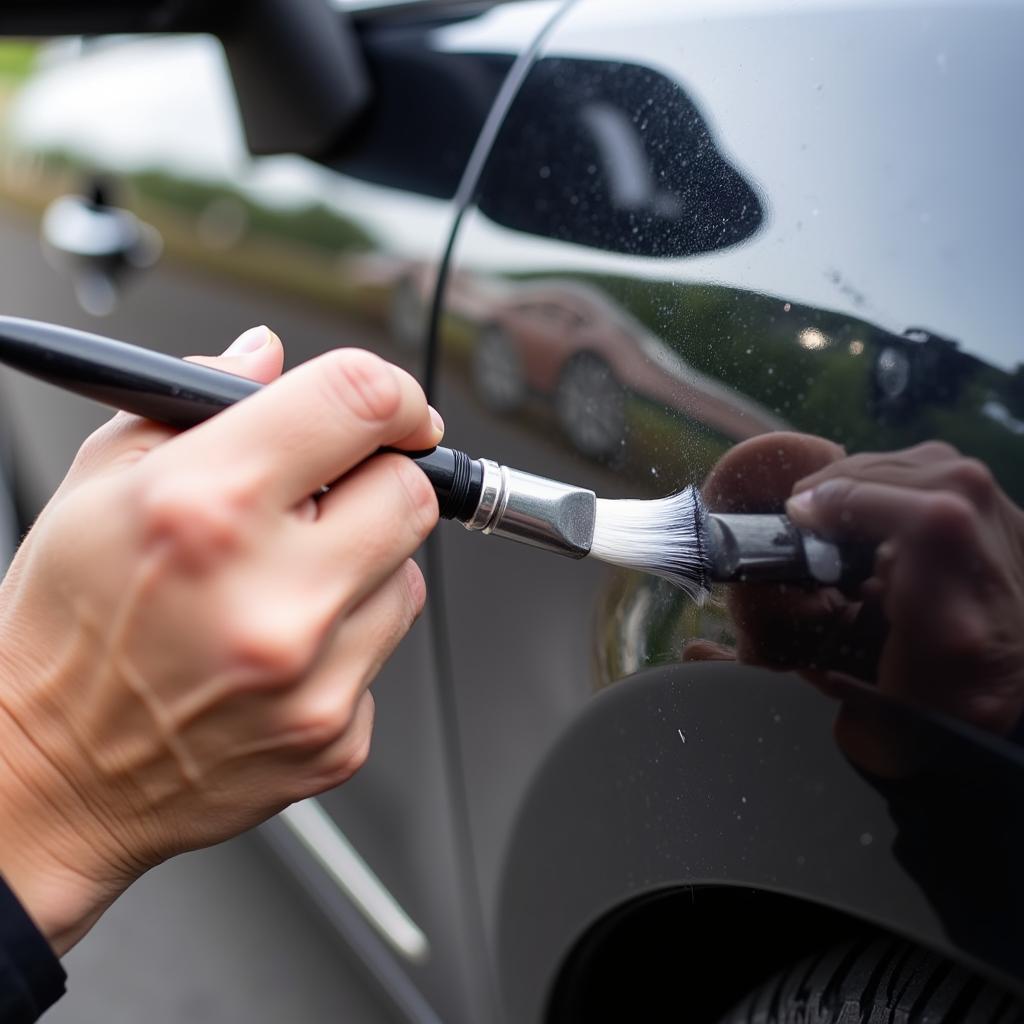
x=435 y=418
x=799 y=506
x=251 y=341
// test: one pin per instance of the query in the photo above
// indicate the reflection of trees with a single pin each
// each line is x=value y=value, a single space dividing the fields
x=315 y=225
x=817 y=370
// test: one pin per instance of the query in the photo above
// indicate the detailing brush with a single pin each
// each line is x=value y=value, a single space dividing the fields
x=674 y=537
x=680 y=539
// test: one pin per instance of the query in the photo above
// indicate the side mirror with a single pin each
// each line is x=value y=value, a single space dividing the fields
x=298 y=72
x=581 y=158
x=99 y=245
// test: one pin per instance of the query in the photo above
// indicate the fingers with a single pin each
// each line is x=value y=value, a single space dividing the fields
x=371 y=523
x=786 y=626
x=257 y=354
x=349 y=752
x=317 y=707
x=363 y=641
x=315 y=424
x=929 y=453
x=708 y=650
x=930 y=466
x=414 y=442
x=331 y=715
x=852 y=508
x=757 y=475
x=780 y=626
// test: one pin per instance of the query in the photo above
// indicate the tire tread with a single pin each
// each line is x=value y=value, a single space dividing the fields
x=876 y=980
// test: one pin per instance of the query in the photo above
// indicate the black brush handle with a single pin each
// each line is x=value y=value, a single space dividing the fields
x=769 y=548
x=182 y=394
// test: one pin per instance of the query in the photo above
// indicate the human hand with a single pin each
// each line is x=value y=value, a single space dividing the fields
x=948 y=576
x=776 y=625
x=187 y=638
x=939 y=622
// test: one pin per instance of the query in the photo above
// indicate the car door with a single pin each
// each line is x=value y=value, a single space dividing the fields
x=700 y=223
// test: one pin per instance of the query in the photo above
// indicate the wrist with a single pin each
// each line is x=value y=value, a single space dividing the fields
x=62 y=903
x=50 y=857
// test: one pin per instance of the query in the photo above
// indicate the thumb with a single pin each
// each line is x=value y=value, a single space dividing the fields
x=257 y=354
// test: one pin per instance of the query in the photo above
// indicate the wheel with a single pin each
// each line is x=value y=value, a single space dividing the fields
x=498 y=374
x=885 y=981
x=591 y=406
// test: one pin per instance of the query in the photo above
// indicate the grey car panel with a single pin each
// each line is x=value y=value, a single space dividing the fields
x=694 y=224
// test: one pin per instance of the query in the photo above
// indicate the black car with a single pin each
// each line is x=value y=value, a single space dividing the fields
x=613 y=240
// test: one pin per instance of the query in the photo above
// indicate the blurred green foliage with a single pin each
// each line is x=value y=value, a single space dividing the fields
x=17 y=59
x=314 y=225
x=814 y=368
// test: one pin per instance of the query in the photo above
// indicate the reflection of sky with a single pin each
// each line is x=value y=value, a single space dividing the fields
x=168 y=104
x=886 y=159
x=889 y=157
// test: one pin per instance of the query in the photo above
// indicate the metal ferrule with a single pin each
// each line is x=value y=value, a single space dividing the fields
x=534 y=510
x=753 y=548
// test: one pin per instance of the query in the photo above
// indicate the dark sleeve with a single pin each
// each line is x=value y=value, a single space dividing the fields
x=31 y=977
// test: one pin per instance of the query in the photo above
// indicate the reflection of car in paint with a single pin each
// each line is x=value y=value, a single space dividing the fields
x=565 y=341
x=674 y=224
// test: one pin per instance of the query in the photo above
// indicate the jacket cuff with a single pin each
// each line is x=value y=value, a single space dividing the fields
x=31 y=976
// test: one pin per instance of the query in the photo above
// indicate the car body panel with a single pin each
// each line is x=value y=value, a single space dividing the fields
x=831 y=221
x=615 y=240
x=686 y=798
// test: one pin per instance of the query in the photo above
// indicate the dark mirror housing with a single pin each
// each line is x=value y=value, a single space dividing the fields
x=298 y=72
x=581 y=157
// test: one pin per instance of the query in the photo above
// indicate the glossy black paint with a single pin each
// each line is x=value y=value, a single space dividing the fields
x=840 y=209
x=605 y=184
x=695 y=224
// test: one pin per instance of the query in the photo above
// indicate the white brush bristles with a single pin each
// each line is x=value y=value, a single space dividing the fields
x=663 y=536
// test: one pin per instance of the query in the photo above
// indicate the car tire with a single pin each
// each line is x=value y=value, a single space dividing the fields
x=884 y=981
x=591 y=406
x=499 y=377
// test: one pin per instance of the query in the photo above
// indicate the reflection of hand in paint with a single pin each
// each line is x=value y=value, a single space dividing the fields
x=941 y=621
